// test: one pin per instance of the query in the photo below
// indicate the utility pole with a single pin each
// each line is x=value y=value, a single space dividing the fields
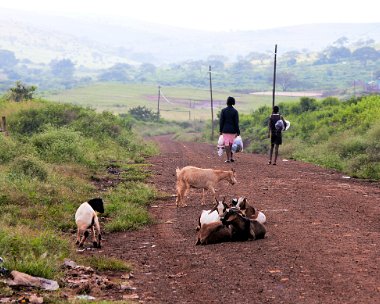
x=158 y=102
x=274 y=76
x=212 y=106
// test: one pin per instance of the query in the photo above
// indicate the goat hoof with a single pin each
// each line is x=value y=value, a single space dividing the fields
x=77 y=243
x=95 y=244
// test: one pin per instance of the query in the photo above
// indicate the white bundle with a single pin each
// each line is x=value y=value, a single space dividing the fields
x=237 y=146
x=220 y=151
x=221 y=141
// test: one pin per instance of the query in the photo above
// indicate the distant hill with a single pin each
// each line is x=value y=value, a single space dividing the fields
x=96 y=42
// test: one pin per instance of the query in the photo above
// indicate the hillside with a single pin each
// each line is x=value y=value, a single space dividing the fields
x=98 y=42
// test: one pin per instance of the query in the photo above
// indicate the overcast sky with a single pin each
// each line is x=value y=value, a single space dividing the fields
x=215 y=15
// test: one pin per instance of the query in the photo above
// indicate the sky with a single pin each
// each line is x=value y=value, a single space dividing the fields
x=213 y=15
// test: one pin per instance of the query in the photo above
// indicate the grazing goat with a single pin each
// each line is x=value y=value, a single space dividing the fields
x=213 y=215
x=200 y=178
x=85 y=218
x=243 y=228
x=249 y=211
x=213 y=233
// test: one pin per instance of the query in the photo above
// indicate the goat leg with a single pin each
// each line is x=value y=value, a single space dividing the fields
x=85 y=235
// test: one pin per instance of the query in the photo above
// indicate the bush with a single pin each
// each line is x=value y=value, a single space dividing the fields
x=8 y=149
x=31 y=167
x=61 y=146
x=143 y=113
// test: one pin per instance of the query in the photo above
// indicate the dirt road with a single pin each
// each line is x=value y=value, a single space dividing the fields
x=322 y=243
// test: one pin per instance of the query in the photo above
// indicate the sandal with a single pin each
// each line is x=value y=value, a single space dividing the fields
x=227 y=161
x=232 y=160
x=274 y=164
x=269 y=163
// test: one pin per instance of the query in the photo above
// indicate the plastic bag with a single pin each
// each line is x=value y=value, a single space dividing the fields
x=237 y=146
x=221 y=141
x=287 y=124
x=220 y=151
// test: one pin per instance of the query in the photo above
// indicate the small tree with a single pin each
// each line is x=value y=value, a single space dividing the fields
x=143 y=113
x=21 y=92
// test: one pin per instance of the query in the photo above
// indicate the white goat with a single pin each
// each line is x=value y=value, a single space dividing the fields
x=85 y=218
x=200 y=178
x=250 y=211
x=213 y=215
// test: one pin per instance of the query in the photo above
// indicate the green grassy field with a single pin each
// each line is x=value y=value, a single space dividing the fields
x=179 y=101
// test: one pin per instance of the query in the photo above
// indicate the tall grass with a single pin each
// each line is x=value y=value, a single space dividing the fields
x=48 y=167
x=343 y=135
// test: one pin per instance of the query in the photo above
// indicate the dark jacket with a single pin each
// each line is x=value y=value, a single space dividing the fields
x=229 y=121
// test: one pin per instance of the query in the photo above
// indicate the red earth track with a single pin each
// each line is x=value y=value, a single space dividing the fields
x=322 y=242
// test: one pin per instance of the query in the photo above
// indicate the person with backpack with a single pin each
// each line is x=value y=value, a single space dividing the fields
x=276 y=125
x=229 y=127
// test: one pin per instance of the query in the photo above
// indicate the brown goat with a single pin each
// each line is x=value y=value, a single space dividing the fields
x=205 y=179
x=213 y=233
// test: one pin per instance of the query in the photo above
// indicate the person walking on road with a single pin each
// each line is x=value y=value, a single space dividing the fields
x=229 y=127
x=275 y=127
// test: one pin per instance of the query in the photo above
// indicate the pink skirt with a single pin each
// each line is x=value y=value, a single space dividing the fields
x=228 y=139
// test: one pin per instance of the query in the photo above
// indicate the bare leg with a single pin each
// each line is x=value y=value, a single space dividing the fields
x=275 y=153
x=228 y=153
x=270 y=154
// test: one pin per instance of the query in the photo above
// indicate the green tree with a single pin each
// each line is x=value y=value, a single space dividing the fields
x=286 y=80
x=365 y=54
x=21 y=92
x=143 y=113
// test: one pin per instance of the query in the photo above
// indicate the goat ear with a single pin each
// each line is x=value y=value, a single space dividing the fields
x=213 y=209
x=224 y=199
x=217 y=202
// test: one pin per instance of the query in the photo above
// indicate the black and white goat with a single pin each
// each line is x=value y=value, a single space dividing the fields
x=86 y=218
x=248 y=210
x=213 y=215
x=243 y=228
x=232 y=227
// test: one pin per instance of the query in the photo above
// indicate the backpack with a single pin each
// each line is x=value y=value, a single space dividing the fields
x=279 y=125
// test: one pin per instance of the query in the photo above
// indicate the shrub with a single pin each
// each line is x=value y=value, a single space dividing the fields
x=8 y=149
x=31 y=167
x=143 y=113
x=60 y=146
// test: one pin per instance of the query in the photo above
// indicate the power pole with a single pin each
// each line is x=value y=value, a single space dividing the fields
x=212 y=106
x=274 y=76
x=158 y=102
